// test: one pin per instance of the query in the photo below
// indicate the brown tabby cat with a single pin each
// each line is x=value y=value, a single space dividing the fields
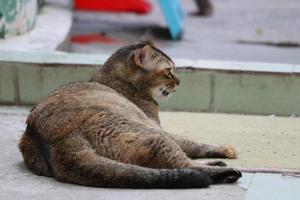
x=106 y=132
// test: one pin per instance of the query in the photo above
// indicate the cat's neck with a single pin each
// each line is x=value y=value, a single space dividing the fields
x=140 y=98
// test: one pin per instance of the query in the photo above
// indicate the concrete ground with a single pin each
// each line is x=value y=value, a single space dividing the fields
x=244 y=31
x=17 y=182
x=263 y=141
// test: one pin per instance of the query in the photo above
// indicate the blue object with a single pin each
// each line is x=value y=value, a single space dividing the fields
x=174 y=16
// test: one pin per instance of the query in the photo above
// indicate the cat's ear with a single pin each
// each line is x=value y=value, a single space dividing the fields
x=147 y=38
x=142 y=57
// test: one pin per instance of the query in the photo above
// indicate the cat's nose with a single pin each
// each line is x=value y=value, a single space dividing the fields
x=177 y=80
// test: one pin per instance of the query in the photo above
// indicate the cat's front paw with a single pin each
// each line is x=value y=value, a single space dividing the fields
x=217 y=163
x=229 y=151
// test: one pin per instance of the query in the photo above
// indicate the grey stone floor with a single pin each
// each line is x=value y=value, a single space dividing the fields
x=17 y=182
x=216 y=37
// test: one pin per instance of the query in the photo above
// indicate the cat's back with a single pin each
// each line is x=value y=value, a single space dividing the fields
x=71 y=106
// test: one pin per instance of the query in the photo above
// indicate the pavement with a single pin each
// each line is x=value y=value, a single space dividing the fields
x=262 y=141
x=252 y=30
x=17 y=182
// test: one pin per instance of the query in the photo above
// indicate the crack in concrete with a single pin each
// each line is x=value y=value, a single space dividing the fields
x=281 y=44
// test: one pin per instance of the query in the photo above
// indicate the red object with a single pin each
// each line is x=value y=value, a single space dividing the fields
x=92 y=38
x=137 y=6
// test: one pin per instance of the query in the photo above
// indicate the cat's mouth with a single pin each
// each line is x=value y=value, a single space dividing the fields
x=163 y=93
x=166 y=92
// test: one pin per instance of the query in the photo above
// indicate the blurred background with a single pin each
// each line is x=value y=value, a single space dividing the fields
x=248 y=30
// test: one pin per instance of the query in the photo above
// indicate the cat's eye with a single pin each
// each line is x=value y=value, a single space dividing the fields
x=168 y=72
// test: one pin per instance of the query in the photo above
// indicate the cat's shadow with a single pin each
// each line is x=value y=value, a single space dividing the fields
x=20 y=165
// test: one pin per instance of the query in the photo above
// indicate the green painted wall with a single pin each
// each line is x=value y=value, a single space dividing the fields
x=17 y=17
x=200 y=90
x=27 y=77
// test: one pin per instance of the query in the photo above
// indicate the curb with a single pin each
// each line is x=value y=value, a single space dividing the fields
x=207 y=86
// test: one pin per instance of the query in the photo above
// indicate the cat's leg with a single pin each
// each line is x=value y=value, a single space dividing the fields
x=199 y=150
x=212 y=163
x=148 y=149
x=219 y=174
x=160 y=151
x=75 y=160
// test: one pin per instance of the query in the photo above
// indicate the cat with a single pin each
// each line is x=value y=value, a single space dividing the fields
x=106 y=132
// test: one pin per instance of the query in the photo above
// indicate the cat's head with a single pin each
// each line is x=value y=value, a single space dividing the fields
x=146 y=67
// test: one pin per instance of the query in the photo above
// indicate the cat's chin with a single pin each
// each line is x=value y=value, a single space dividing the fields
x=162 y=93
x=162 y=97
